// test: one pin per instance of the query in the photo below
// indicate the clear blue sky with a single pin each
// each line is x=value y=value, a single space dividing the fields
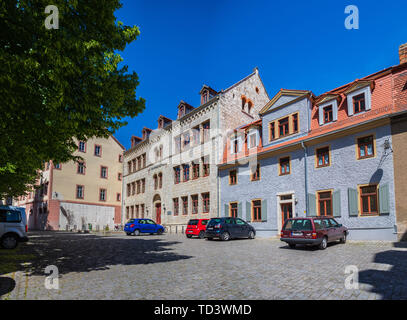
x=295 y=44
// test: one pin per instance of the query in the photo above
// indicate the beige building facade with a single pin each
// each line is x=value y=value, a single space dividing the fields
x=79 y=195
x=170 y=173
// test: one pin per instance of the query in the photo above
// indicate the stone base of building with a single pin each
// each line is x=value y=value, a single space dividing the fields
x=373 y=234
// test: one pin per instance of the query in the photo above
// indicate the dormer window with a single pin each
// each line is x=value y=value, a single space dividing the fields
x=181 y=112
x=359 y=103
x=253 y=138
x=328 y=115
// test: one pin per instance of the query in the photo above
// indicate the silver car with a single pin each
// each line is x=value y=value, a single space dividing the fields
x=13 y=226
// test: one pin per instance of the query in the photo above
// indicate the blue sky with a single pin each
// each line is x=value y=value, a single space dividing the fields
x=295 y=45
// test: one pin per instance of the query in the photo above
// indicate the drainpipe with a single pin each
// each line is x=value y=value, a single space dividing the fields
x=305 y=175
x=218 y=146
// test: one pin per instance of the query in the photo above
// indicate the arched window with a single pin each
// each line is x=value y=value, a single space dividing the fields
x=243 y=102
x=249 y=106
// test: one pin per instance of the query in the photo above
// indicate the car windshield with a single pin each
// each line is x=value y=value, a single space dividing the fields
x=214 y=221
x=298 y=224
x=193 y=222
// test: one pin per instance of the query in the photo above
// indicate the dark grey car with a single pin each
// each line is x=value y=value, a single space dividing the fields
x=227 y=228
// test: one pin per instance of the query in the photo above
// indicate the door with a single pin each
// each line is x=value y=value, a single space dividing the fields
x=232 y=228
x=243 y=227
x=158 y=213
x=286 y=212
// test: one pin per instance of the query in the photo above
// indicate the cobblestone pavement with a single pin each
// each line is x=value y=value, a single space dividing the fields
x=173 y=267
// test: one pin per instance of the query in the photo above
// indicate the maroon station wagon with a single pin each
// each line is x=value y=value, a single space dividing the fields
x=316 y=231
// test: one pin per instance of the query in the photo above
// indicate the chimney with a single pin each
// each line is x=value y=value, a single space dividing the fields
x=403 y=53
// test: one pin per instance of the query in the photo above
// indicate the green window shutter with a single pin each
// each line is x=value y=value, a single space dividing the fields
x=336 y=203
x=312 y=209
x=226 y=210
x=248 y=211
x=353 y=202
x=239 y=210
x=264 y=210
x=384 y=199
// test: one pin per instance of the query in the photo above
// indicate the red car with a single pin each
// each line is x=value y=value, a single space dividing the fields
x=317 y=231
x=196 y=227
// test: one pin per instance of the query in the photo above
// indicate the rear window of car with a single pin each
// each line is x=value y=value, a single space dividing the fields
x=193 y=222
x=10 y=216
x=204 y=222
x=131 y=221
x=298 y=224
x=214 y=221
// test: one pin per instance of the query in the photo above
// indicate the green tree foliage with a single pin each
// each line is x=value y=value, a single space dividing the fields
x=59 y=84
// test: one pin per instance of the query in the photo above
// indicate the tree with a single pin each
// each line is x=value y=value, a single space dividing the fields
x=58 y=85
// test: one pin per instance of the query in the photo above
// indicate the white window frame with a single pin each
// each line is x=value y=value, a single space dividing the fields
x=368 y=99
x=321 y=107
x=239 y=144
x=250 y=133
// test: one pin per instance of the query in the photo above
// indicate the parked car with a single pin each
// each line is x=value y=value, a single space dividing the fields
x=13 y=226
x=196 y=227
x=228 y=228
x=138 y=226
x=315 y=231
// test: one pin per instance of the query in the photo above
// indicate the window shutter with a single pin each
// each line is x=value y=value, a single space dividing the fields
x=239 y=210
x=321 y=115
x=353 y=202
x=336 y=203
x=335 y=111
x=350 y=106
x=226 y=210
x=264 y=211
x=248 y=211
x=384 y=197
x=312 y=210
x=368 y=99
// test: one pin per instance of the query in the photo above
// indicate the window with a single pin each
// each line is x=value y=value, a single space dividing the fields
x=143 y=185
x=118 y=196
x=160 y=180
x=120 y=158
x=98 y=150
x=323 y=157
x=272 y=134
x=252 y=140
x=196 y=132
x=186 y=172
x=235 y=145
x=328 y=114
x=177 y=143
x=284 y=166
x=128 y=189
x=206 y=127
x=186 y=141
x=195 y=170
x=249 y=106
x=137 y=211
x=129 y=166
x=205 y=202
x=119 y=176
x=142 y=210
x=255 y=173
x=102 y=194
x=365 y=147
x=10 y=216
x=243 y=102
x=177 y=175
x=283 y=127
x=80 y=168
x=206 y=169
x=368 y=200
x=184 y=205
x=127 y=212
x=103 y=172
x=155 y=182
x=233 y=209
x=359 y=103
x=82 y=146
x=80 y=192
x=325 y=203
x=256 y=209
x=175 y=203
x=144 y=159
x=194 y=204
x=295 y=122
x=133 y=188
x=138 y=187
x=233 y=177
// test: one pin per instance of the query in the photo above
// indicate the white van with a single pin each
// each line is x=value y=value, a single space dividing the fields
x=13 y=226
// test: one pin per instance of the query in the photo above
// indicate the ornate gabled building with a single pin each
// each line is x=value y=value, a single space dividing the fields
x=170 y=173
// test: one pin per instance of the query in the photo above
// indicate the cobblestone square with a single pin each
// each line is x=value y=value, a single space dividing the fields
x=171 y=266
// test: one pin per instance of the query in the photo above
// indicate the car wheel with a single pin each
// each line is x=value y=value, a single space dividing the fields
x=343 y=239
x=137 y=232
x=9 y=241
x=323 y=244
x=291 y=245
x=160 y=231
x=201 y=235
x=225 y=236
x=189 y=236
x=251 y=235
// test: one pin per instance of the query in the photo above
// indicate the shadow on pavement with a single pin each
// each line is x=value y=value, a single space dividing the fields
x=72 y=252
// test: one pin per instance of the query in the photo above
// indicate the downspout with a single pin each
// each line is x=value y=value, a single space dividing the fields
x=305 y=175
x=217 y=171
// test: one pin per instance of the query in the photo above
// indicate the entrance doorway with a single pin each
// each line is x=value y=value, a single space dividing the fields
x=158 y=213
x=286 y=212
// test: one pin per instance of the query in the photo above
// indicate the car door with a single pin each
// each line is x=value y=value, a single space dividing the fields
x=151 y=226
x=2 y=221
x=142 y=224
x=243 y=227
x=336 y=230
x=330 y=232
x=232 y=228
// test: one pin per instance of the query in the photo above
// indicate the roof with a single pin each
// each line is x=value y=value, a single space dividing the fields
x=283 y=92
x=117 y=141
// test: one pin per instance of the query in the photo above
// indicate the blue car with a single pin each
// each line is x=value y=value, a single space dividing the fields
x=138 y=226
